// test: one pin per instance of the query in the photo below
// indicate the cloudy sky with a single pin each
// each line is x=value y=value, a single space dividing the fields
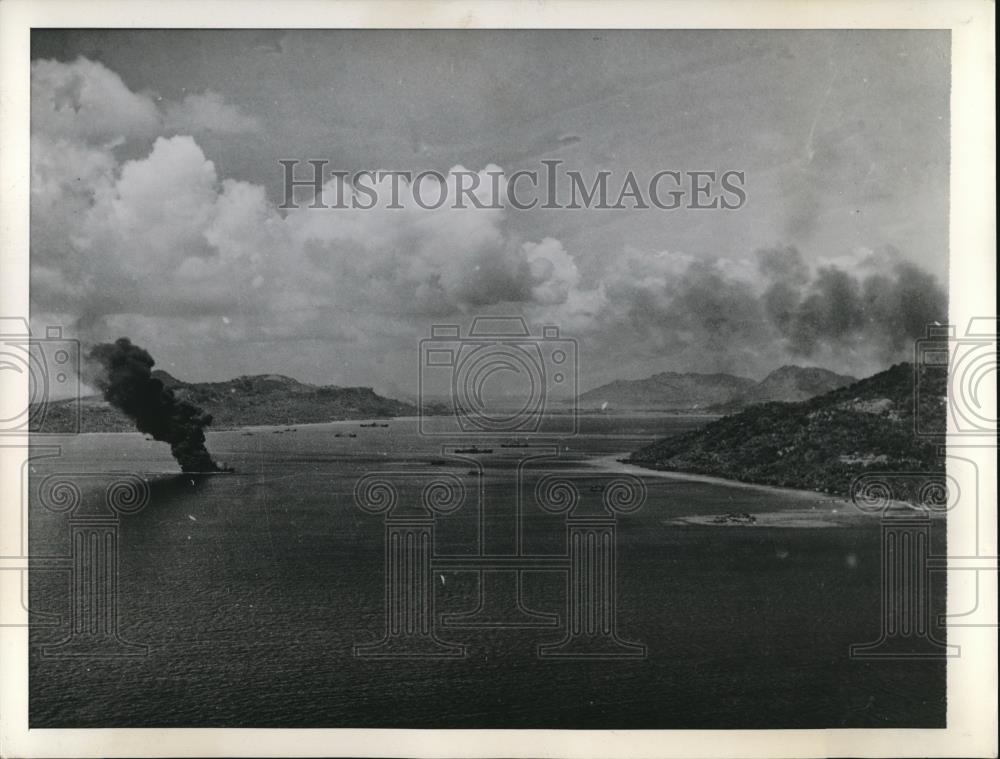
x=156 y=185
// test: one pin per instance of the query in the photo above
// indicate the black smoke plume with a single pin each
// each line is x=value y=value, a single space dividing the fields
x=858 y=315
x=125 y=378
x=886 y=308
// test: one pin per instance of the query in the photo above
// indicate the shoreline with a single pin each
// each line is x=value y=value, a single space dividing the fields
x=413 y=418
x=779 y=518
x=613 y=463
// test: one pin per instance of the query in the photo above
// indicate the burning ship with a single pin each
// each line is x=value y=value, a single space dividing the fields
x=122 y=371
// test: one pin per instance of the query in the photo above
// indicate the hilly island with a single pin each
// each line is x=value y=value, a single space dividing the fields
x=819 y=444
x=263 y=399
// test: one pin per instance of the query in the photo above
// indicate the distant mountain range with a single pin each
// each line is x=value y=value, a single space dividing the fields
x=263 y=399
x=817 y=444
x=274 y=399
x=720 y=393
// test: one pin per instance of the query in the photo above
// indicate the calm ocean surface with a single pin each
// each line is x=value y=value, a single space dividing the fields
x=251 y=590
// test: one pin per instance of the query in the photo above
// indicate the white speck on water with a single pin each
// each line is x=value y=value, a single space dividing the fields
x=191 y=517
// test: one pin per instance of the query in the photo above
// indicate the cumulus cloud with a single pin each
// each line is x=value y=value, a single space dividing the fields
x=88 y=102
x=159 y=235
x=162 y=235
x=415 y=261
x=85 y=101
x=208 y=112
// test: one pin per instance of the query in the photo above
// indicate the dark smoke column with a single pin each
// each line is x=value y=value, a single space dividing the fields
x=128 y=384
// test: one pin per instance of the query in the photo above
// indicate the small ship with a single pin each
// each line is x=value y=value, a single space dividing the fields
x=474 y=449
x=374 y=424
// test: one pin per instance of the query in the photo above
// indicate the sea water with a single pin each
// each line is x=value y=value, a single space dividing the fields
x=251 y=590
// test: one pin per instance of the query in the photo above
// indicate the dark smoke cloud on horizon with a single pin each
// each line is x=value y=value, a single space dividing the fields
x=886 y=308
x=123 y=373
x=859 y=314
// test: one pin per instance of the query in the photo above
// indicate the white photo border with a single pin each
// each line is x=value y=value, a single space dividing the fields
x=972 y=677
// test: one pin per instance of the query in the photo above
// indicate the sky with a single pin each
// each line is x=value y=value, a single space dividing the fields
x=156 y=188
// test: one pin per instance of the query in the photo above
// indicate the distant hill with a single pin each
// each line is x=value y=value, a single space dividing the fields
x=717 y=393
x=789 y=383
x=667 y=391
x=818 y=444
x=245 y=401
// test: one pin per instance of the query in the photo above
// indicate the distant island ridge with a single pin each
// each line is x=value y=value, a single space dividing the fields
x=275 y=399
x=263 y=399
x=715 y=393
